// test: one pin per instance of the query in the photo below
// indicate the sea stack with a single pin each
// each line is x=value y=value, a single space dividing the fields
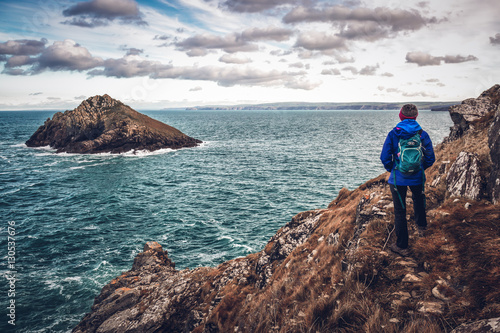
x=101 y=124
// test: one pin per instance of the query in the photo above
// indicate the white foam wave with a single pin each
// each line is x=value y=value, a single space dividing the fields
x=77 y=167
x=248 y=248
x=229 y=238
x=144 y=153
x=90 y=227
x=19 y=145
x=73 y=278
x=102 y=263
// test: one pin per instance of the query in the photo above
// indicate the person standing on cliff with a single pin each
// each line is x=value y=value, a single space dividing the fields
x=400 y=181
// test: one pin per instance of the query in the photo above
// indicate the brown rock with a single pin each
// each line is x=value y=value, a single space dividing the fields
x=102 y=124
x=473 y=109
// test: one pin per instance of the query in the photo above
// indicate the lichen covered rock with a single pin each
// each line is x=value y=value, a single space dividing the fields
x=102 y=124
x=464 y=177
x=473 y=109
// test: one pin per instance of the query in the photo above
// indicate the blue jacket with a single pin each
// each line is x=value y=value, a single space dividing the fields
x=406 y=129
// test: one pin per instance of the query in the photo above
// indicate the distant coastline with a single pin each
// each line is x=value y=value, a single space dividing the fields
x=433 y=106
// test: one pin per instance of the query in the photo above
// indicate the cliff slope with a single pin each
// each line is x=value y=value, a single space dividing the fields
x=330 y=270
x=102 y=124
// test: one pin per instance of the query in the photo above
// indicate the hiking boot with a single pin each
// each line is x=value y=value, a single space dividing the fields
x=396 y=249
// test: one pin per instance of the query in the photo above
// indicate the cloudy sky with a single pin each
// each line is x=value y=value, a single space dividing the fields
x=154 y=54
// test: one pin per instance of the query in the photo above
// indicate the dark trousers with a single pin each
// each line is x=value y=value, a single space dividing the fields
x=400 y=223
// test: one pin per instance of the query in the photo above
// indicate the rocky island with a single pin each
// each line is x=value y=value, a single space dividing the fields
x=330 y=270
x=102 y=124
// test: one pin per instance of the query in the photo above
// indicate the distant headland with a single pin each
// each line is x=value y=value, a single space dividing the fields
x=101 y=124
x=433 y=106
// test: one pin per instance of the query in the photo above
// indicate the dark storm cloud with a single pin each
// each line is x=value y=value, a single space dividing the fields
x=253 y=6
x=425 y=59
x=95 y=13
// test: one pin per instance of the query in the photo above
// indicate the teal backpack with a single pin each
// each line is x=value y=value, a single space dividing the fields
x=410 y=154
x=409 y=158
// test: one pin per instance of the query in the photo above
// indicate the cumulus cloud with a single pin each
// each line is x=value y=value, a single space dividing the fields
x=67 y=55
x=132 y=66
x=131 y=50
x=197 y=88
x=408 y=94
x=61 y=55
x=367 y=70
x=302 y=84
x=231 y=59
x=297 y=65
x=495 y=40
x=333 y=71
x=161 y=37
x=387 y=74
x=22 y=47
x=253 y=6
x=458 y=59
x=20 y=60
x=96 y=13
x=422 y=59
x=361 y=23
x=229 y=76
x=269 y=33
x=319 y=41
x=425 y=59
x=199 y=45
x=395 y=19
x=436 y=81
x=128 y=66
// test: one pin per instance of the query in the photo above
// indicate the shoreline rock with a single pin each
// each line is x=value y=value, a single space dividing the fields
x=102 y=124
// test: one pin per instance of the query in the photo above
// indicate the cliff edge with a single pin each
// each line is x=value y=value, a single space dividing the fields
x=329 y=270
x=102 y=124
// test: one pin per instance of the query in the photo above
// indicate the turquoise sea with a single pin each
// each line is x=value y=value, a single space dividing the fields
x=78 y=221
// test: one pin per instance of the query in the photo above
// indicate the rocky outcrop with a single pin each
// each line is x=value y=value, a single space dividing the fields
x=473 y=109
x=102 y=124
x=464 y=177
x=494 y=143
x=330 y=270
x=480 y=326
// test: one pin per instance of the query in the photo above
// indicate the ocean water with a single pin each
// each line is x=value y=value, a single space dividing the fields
x=78 y=221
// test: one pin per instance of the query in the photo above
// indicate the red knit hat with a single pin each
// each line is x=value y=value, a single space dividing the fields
x=408 y=111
